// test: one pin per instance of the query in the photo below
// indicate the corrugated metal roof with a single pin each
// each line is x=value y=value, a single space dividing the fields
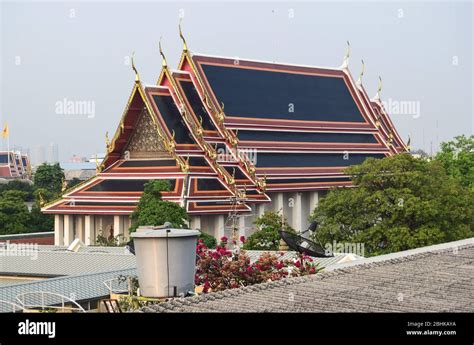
x=57 y=261
x=78 y=287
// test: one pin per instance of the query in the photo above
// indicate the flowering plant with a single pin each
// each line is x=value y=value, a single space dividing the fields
x=222 y=268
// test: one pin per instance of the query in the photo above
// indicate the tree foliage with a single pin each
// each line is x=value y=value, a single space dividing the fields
x=49 y=177
x=267 y=237
x=457 y=157
x=14 y=214
x=400 y=202
x=153 y=210
x=21 y=185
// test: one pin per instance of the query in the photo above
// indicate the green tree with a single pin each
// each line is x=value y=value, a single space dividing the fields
x=153 y=210
x=14 y=214
x=267 y=236
x=50 y=177
x=457 y=157
x=400 y=202
x=21 y=185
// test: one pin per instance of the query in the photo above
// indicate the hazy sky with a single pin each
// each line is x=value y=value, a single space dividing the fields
x=77 y=51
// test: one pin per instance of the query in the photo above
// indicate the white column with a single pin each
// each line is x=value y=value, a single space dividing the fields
x=68 y=229
x=58 y=230
x=242 y=226
x=277 y=200
x=89 y=230
x=219 y=222
x=297 y=221
x=79 y=227
x=127 y=223
x=118 y=225
x=195 y=222
x=313 y=200
x=260 y=210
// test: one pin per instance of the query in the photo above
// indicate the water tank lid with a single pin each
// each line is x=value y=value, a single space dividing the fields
x=150 y=232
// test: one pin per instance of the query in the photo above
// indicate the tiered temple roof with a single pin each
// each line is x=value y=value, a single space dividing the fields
x=14 y=165
x=225 y=132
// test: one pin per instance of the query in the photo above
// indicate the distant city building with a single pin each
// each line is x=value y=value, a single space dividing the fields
x=39 y=155
x=77 y=159
x=53 y=153
x=14 y=165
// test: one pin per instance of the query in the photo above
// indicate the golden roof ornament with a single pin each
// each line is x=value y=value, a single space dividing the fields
x=185 y=46
x=409 y=144
x=345 y=62
x=137 y=75
x=97 y=165
x=107 y=140
x=41 y=199
x=379 y=90
x=221 y=114
x=63 y=185
x=359 y=80
x=165 y=64
x=122 y=127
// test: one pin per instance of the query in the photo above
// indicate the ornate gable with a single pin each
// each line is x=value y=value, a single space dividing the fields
x=145 y=142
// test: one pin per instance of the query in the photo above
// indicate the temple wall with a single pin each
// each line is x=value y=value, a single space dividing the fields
x=296 y=207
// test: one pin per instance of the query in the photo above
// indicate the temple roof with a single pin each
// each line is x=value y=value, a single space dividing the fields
x=221 y=129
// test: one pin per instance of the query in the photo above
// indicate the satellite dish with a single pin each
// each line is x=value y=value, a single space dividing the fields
x=303 y=245
x=131 y=246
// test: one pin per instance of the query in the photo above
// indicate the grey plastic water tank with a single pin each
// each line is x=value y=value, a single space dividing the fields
x=166 y=260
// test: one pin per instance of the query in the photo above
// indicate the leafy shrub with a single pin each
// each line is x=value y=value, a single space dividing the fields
x=267 y=236
x=153 y=210
x=208 y=240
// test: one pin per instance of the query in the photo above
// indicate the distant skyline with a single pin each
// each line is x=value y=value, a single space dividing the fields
x=66 y=75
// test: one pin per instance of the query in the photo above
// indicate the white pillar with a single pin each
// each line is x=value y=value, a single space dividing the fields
x=79 y=227
x=89 y=230
x=277 y=200
x=297 y=221
x=118 y=225
x=68 y=229
x=313 y=200
x=242 y=226
x=219 y=222
x=260 y=210
x=127 y=223
x=195 y=222
x=58 y=230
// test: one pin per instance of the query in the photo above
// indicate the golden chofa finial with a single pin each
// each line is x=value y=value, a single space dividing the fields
x=42 y=202
x=359 y=81
x=107 y=140
x=165 y=64
x=379 y=89
x=409 y=144
x=137 y=76
x=185 y=46
x=345 y=62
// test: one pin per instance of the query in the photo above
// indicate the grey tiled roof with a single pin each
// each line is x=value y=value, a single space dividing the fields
x=78 y=287
x=431 y=279
x=56 y=261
